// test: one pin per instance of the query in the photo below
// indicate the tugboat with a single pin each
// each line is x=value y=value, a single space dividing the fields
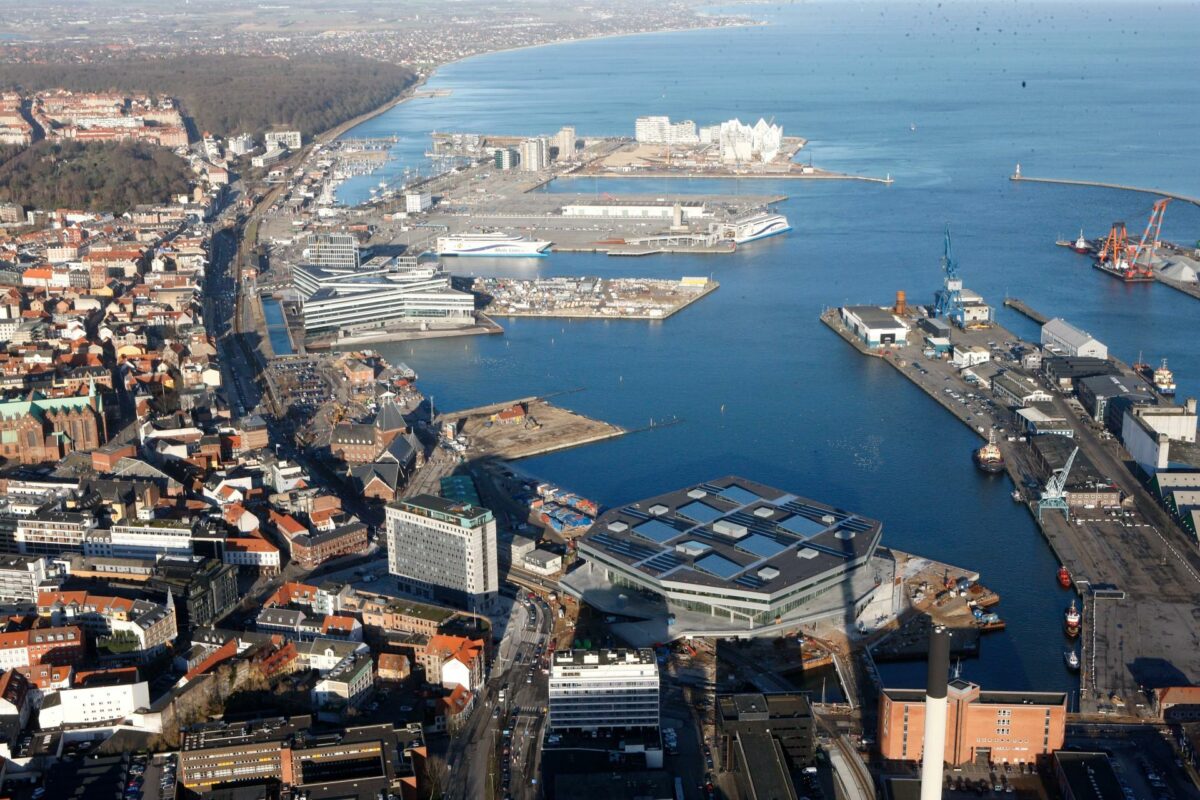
x=988 y=458
x=1164 y=380
x=1072 y=659
x=1064 y=577
x=1081 y=245
x=1072 y=621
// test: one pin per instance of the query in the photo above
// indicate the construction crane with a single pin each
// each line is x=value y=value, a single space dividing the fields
x=1055 y=493
x=1148 y=245
x=948 y=301
x=1116 y=247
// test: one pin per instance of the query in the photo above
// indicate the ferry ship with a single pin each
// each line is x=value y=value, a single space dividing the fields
x=755 y=227
x=491 y=244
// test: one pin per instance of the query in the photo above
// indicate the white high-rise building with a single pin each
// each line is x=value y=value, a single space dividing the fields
x=660 y=130
x=535 y=154
x=416 y=202
x=564 y=141
x=592 y=690
x=443 y=550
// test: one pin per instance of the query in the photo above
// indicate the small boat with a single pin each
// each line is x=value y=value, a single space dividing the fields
x=1081 y=246
x=988 y=458
x=1064 y=577
x=1072 y=659
x=1016 y=495
x=1072 y=621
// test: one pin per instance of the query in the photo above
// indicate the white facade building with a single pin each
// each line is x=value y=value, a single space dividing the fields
x=288 y=139
x=93 y=705
x=141 y=540
x=444 y=550
x=332 y=251
x=660 y=130
x=607 y=689
x=688 y=210
x=416 y=202
x=20 y=577
x=564 y=142
x=741 y=143
x=535 y=155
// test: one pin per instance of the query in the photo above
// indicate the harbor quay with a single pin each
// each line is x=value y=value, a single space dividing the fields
x=590 y=297
x=1131 y=569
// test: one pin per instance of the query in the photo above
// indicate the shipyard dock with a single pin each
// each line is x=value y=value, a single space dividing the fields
x=1135 y=572
x=590 y=298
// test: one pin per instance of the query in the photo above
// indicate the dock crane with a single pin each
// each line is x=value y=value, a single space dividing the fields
x=1148 y=246
x=948 y=301
x=1055 y=493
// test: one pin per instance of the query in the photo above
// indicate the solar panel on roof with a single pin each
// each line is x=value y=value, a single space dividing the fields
x=718 y=565
x=698 y=512
x=802 y=526
x=656 y=531
x=737 y=494
x=761 y=546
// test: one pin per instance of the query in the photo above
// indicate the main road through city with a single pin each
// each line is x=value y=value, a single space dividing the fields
x=470 y=751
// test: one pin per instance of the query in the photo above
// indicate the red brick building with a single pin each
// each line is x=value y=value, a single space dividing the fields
x=998 y=726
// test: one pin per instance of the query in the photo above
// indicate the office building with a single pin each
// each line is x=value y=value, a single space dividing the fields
x=203 y=589
x=731 y=553
x=360 y=763
x=765 y=738
x=371 y=300
x=980 y=725
x=240 y=145
x=535 y=154
x=416 y=202
x=148 y=539
x=564 y=143
x=332 y=251
x=443 y=550
x=604 y=690
x=50 y=532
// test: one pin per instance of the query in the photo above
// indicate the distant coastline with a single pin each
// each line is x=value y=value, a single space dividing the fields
x=342 y=129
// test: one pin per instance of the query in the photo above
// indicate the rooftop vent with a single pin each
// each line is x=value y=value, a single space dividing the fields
x=768 y=573
x=658 y=509
x=844 y=535
x=763 y=512
x=616 y=526
x=730 y=529
x=807 y=553
x=829 y=519
x=696 y=494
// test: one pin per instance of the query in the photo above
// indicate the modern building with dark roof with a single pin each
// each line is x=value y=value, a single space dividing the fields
x=764 y=739
x=731 y=549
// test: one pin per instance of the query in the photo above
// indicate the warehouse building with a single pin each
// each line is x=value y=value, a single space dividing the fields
x=875 y=326
x=1098 y=393
x=1063 y=338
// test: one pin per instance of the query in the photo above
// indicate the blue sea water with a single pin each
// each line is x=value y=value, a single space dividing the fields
x=1102 y=91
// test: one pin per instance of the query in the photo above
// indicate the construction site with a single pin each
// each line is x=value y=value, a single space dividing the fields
x=1131 y=570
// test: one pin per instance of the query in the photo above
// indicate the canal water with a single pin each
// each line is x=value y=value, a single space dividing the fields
x=945 y=99
x=277 y=332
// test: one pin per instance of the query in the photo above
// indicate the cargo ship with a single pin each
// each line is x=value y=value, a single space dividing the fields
x=988 y=458
x=1064 y=577
x=755 y=227
x=1072 y=620
x=1164 y=380
x=508 y=245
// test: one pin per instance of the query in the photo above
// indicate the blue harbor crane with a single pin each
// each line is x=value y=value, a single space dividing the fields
x=948 y=300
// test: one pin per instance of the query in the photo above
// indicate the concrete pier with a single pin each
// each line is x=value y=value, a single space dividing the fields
x=1136 y=574
x=1020 y=306
x=1017 y=176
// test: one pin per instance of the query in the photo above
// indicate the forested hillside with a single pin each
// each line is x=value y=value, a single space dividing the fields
x=227 y=95
x=99 y=176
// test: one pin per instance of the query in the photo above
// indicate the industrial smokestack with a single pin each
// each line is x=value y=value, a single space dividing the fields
x=901 y=306
x=934 y=752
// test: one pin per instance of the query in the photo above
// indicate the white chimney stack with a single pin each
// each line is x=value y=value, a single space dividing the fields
x=934 y=752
